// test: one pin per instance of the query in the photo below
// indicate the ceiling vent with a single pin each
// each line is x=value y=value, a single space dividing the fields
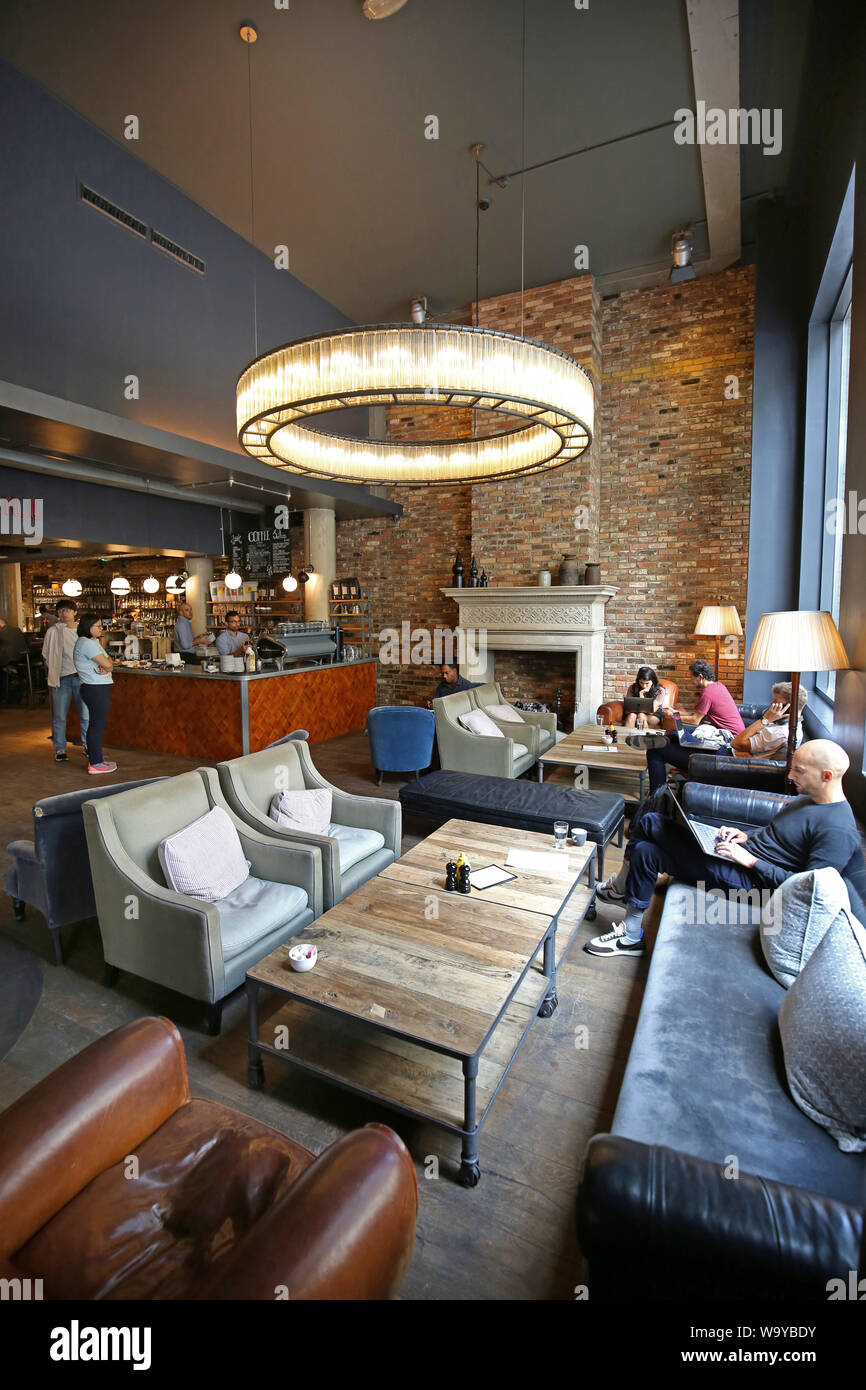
x=117 y=214
x=171 y=248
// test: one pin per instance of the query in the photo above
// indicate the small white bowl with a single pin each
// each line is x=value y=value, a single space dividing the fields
x=303 y=957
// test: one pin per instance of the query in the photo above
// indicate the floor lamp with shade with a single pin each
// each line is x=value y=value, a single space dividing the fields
x=806 y=641
x=718 y=622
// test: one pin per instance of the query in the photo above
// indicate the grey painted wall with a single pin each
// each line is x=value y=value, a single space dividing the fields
x=84 y=303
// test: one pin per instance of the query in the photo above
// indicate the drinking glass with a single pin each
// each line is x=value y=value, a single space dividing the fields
x=560 y=832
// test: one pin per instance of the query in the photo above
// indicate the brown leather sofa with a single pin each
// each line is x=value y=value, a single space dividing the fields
x=115 y=1183
x=611 y=711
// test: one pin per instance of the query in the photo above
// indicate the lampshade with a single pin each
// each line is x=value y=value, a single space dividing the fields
x=71 y=588
x=233 y=580
x=150 y=585
x=290 y=583
x=120 y=584
x=717 y=621
x=807 y=641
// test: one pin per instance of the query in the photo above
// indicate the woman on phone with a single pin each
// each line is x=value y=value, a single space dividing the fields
x=646 y=687
x=93 y=665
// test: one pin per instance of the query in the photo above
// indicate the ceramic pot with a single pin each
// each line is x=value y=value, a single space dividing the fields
x=544 y=579
x=569 y=572
x=592 y=575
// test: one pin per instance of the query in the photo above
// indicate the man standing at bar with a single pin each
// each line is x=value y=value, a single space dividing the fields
x=184 y=641
x=232 y=640
x=64 y=681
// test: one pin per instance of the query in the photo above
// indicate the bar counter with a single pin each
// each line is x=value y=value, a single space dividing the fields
x=213 y=716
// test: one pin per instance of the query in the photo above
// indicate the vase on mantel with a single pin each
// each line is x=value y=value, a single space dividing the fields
x=544 y=579
x=592 y=575
x=569 y=572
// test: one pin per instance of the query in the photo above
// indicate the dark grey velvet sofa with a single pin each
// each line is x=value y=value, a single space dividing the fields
x=712 y=1182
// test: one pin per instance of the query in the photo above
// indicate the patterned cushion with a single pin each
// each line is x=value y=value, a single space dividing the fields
x=308 y=811
x=507 y=713
x=206 y=859
x=822 y=1021
x=796 y=918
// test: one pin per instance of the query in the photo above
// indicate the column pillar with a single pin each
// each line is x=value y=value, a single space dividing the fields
x=200 y=571
x=11 y=605
x=320 y=545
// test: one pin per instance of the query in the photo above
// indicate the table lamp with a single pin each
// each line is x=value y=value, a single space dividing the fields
x=718 y=622
x=807 y=641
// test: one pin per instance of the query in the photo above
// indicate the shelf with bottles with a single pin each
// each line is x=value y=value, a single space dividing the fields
x=355 y=618
x=96 y=596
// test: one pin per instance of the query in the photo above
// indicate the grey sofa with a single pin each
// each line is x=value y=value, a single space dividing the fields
x=51 y=872
x=197 y=948
x=712 y=1182
x=462 y=751
x=762 y=774
x=365 y=831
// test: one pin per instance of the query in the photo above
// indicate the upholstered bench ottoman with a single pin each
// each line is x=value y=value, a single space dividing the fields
x=524 y=805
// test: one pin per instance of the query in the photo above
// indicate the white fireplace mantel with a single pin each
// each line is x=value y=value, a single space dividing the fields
x=532 y=618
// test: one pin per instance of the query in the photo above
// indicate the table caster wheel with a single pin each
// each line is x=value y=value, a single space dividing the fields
x=470 y=1174
x=591 y=912
x=548 y=1005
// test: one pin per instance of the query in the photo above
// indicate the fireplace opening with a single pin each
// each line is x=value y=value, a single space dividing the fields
x=529 y=676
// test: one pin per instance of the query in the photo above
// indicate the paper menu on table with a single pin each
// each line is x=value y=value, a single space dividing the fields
x=554 y=863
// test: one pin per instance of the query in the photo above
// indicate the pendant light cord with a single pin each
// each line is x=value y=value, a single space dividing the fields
x=477 y=231
x=253 y=201
x=523 y=166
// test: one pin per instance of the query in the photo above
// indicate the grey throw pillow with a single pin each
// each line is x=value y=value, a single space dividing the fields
x=797 y=917
x=822 y=1021
x=307 y=811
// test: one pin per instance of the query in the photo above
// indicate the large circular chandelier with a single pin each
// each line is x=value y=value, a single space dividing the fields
x=544 y=397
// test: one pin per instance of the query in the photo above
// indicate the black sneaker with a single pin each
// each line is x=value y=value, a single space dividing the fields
x=614 y=943
x=61 y=758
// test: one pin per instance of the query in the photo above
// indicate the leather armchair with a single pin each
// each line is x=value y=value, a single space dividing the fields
x=365 y=833
x=198 y=948
x=611 y=711
x=483 y=696
x=221 y=1206
x=51 y=872
x=462 y=751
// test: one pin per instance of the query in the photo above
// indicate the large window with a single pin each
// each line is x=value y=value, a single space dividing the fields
x=835 y=496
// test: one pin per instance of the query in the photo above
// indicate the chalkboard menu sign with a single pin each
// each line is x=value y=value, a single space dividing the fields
x=262 y=554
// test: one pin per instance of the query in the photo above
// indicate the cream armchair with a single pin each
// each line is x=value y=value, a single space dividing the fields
x=462 y=751
x=485 y=696
x=198 y=948
x=365 y=831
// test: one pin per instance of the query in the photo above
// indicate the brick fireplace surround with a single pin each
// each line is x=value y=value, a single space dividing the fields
x=660 y=500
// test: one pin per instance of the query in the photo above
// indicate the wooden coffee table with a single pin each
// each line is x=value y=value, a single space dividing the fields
x=570 y=752
x=421 y=999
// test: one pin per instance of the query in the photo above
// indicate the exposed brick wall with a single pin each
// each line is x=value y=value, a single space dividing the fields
x=666 y=482
x=676 y=459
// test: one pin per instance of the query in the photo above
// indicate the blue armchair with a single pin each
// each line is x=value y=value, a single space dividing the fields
x=401 y=738
x=51 y=872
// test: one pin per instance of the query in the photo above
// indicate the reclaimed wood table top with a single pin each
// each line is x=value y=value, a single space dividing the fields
x=570 y=751
x=415 y=962
x=534 y=890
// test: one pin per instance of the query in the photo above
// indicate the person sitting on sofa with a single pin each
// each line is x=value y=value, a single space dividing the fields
x=768 y=736
x=715 y=706
x=646 y=687
x=815 y=830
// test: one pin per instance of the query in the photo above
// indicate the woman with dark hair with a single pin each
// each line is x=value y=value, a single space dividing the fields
x=93 y=665
x=646 y=687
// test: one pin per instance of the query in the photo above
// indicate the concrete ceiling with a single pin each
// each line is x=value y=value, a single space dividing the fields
x=372 y=212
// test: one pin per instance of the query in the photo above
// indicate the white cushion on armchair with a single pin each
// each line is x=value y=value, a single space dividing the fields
x=477 y=722
x=507 y=713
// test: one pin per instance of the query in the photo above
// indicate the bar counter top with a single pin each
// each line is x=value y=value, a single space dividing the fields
x=215 y=716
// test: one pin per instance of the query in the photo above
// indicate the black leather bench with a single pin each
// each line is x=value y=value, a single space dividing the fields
x=439 y=796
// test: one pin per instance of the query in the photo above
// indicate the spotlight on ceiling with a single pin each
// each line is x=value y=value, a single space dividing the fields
x=681 y=253
x=381 y=9
x=419 y=309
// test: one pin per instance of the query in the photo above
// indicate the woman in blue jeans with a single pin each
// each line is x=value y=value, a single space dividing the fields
x=93 y=665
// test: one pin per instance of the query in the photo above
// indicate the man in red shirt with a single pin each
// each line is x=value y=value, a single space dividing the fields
x=715 y=706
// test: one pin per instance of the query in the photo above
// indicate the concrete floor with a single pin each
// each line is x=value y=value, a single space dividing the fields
x=513 y=1236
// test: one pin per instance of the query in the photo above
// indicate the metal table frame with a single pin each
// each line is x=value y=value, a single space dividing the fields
x=470 y=1169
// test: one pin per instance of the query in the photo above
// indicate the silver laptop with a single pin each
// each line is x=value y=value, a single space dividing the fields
x=704 y=835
